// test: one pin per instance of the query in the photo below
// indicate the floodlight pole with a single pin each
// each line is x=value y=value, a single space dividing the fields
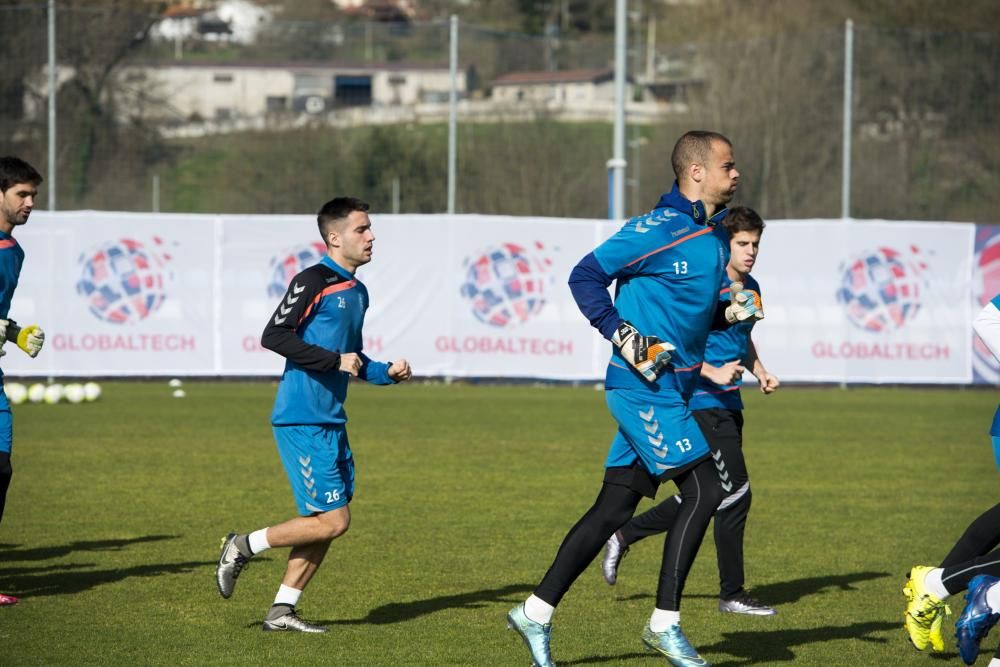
x=617 y=163
x=845 y=182
x=452 y=113
x=51 y=189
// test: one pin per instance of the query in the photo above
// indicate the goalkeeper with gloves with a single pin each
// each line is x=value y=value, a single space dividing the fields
x=19 y=183
x=668 y=267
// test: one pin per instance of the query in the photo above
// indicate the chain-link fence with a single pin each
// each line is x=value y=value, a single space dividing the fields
x=186 y=115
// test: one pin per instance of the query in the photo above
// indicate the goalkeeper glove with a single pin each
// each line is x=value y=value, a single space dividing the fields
x=647 y=354
x=744 y=304
x=30 y=338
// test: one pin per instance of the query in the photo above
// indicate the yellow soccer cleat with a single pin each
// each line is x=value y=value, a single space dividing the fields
x=924 y=612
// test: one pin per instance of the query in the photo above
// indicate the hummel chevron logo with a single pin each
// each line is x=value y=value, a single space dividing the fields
x=662 y=453
x=284 y=311
x=306 y=473
x=716 y=456
x=728 y=486
x=649 y=221
x=660 y=466
x=297 y=288
x=657 y=441
x=724 y=475
x=652 y=428
x=310 y=483
x=720 y=465
x=313 y=494
x=646 y=416
x=304 y=460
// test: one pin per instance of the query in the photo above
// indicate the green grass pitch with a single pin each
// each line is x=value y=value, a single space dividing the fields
x=464 y=492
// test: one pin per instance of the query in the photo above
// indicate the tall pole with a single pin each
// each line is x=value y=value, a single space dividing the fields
x=845 y=178
x=51 y=189
x=617 y=163
x=452 y=113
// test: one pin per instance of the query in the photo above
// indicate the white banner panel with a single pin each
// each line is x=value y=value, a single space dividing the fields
x=866 y=301
x=472 y=296
x=116 y=293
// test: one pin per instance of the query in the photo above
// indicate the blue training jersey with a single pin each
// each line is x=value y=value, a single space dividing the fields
x=668 y=267
x=723 y=346
x=11 y=260
x=320 y=316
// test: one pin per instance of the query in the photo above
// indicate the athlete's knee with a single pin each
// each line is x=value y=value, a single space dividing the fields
x=334 y=524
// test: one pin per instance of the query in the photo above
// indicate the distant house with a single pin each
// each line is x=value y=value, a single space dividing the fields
x=225 y=91
x=236 y=21
x=555 y=89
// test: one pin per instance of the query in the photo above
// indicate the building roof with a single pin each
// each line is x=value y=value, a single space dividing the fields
x=565 y=76
x=292 y=65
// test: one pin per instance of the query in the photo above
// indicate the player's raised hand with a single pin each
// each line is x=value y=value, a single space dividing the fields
x=744 y=304
x=647 y=354
x=350 y=363
x=768 y=382
x=400 y=371
x=727 y=373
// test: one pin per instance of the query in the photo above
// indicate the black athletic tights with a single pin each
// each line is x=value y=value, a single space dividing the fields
x=6 y=472
x=974 y=553
x=701 y=493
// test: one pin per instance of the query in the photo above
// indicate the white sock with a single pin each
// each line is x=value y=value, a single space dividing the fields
x=995 y=662
x=538 y=610
x=932 y=582
x=258 y=541
x=287 y=595
x=663 y=619
x=993 y=598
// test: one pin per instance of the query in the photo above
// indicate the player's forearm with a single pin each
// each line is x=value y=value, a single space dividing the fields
x=311 y=357
x=374 y=372
x=589 y=283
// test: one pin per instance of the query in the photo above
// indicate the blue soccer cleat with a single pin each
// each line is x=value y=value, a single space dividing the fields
x=535 y=635
x=976 y=619
x=674 y=645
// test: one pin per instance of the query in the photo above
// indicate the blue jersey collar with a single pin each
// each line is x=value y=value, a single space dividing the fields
x=677 y=201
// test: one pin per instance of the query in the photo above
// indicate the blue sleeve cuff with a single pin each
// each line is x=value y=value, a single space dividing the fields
x=374 y=372
x=589 y=282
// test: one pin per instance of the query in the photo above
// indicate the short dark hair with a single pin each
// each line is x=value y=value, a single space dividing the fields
x=693 y=147
x=339 y=208
x=743 y=219
x=14 y=170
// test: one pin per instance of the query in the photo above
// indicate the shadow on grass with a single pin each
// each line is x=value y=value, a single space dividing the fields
x=65 y=582
x=786 y=592
x=762 y=646
x=10 y=552
x=398 y=612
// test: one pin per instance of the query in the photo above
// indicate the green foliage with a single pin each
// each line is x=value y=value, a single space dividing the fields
x=463 y=495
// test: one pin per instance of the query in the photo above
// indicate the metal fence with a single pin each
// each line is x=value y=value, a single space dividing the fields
x=925 y=143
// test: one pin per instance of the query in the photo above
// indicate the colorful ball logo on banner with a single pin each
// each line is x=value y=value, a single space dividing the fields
x=881 y=290
x=985 y=285
x=125 y=281
x=505 y=285
x=287 y=266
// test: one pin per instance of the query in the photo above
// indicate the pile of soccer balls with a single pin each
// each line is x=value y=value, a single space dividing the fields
x=53 y=393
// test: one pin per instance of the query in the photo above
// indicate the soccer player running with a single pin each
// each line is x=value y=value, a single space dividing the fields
x=973 y=563
x=317 y=328
x=19 y=183
x=718 y=409
x=668 y=266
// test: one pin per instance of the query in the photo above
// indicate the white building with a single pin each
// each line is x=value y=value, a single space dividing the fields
x=237 y=21
x=224 y=91
x=582 y=87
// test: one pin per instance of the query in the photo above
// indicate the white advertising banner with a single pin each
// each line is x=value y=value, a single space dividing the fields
x=866 y=301
x=472 y=296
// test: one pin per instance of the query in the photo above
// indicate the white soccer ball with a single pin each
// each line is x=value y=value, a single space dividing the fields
x=53 y=393
x=176 y=382
x=36 y=392
x=91 y=391
x=179 y=393
x=74 y=392
x=16 y=392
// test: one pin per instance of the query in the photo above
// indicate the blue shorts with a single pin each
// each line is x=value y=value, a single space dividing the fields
x=319 y=465
x=657 y=429
x=6 y=423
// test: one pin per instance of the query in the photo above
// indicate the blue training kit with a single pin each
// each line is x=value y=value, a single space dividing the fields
x=723 y=346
